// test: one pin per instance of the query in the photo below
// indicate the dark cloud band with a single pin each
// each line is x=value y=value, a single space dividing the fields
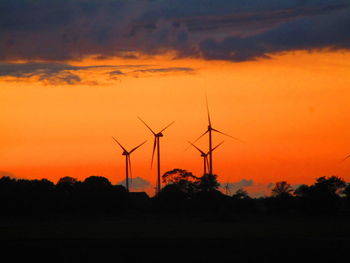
x=59 y=30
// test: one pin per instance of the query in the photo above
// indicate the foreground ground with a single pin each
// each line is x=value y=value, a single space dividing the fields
x=174 y=238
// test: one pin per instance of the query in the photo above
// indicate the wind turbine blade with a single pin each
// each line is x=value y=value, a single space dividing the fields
x=198 y=139
x=167 y=126
x=130 y=170
x=206 y=100
x=147 y=125
x=196 y=147
x=216 y=146
x=228 y=135
x=347 y=157
x=120 y=145
x=206 y=160
x=137 y=147
x=154 y=149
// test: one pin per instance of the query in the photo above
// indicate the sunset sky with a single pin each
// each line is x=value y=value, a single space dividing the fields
x=75 y=73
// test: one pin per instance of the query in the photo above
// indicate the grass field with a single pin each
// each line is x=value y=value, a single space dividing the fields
x=173 y=238
x=175 y=226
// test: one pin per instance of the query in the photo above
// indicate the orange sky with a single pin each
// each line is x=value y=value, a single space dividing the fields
x=292 y=111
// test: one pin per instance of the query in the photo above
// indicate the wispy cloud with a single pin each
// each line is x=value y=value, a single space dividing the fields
x=254 y=189
x=164 y=70
x=7 y=174
x=51 y=72
x=60 y=73
x=137 y=183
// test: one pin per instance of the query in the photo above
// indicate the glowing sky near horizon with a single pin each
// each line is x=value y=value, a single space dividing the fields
x=279 y=81
x=291 y=111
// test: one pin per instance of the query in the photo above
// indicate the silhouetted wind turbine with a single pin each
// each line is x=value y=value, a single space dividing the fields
x=205 y=156
x=227 y=188
x=156 y=144
x=128 y=162
x=209 y=131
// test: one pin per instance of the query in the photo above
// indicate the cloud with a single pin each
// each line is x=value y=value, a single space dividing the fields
x=137 y=183
x=54 y=73
x=6 y=174
x=270 y=185
x=213 y=29
x=164 y=70
x=253 y=188
x=234 y=186
x=61 y=73
x=161 y=71
x=116 y=72
x=147 y=70
x=301 y=34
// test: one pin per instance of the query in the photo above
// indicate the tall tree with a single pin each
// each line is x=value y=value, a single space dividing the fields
x=208 y=183
x=282 y=189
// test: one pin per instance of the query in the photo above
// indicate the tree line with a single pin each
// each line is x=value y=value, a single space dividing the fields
x=183 y=193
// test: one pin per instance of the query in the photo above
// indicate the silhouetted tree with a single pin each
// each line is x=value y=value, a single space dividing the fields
x=180 y=180
x=240 y=194
x=8 y=195
x=208 y=183
x=346 y=192
x=35 y=196
x=177 y=175
x=96 y=195
x=181 y=186
x=183 y=192
x=97 y=183
x=209 y=198
x=282 y=189
x=67 y=189
x=6 y=180
x=302 y=190
x=67 y=185
x=321 y=197
x=242 y=203
x=67 y=180
x=173 y=197
x=332 y=184
x=281 y=200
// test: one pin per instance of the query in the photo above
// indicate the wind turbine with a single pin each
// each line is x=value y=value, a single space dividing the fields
x=227 y=188
x=128 y=161
x=205 y=155
x=209 y=130
x=156 y=144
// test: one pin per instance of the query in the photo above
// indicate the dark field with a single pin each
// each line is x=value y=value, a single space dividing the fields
x=170 y=238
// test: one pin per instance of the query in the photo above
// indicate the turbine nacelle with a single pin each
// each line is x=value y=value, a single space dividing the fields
x=203 y=154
